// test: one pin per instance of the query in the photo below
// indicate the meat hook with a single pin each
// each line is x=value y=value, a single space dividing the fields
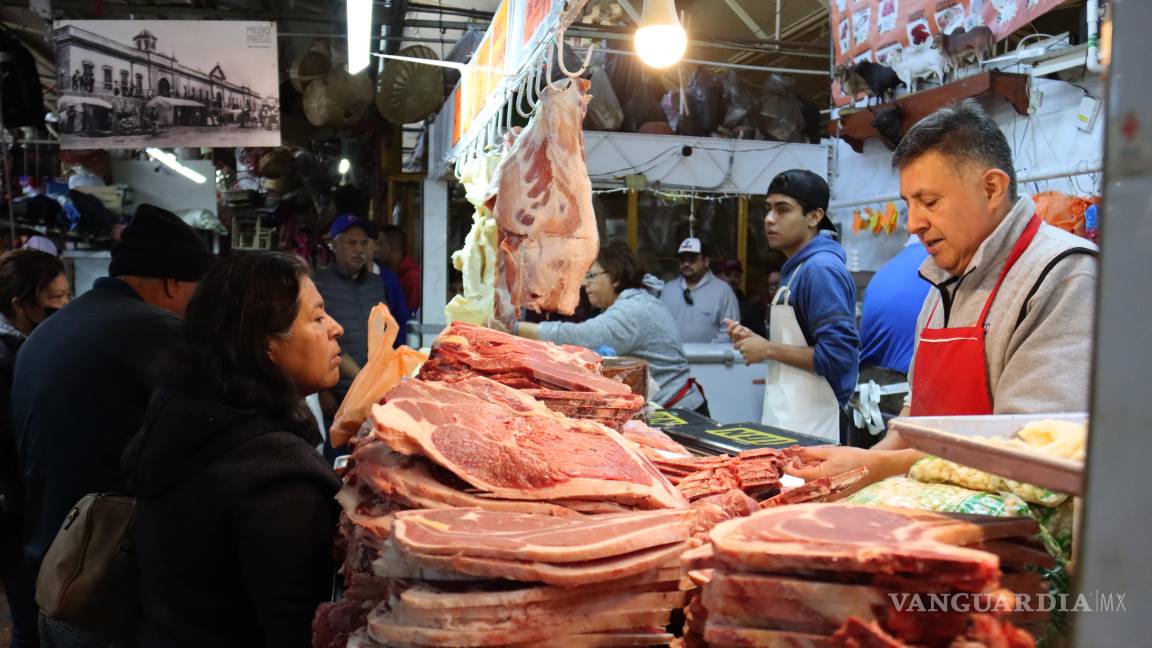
x=560 y=57
x=525 y=89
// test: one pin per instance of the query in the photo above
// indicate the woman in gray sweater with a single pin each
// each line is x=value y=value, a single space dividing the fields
x=634 y=323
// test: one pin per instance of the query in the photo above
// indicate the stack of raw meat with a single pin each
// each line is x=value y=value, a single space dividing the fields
x=471 y=577
x=481 y=445
x=565 y=378
x=832 y=575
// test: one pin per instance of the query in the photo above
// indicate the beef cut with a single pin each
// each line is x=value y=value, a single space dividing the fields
x=543 y=205
x=472 y=577
x=464 y=350
x=848 y=538
x=530 y=454
x=513 y=536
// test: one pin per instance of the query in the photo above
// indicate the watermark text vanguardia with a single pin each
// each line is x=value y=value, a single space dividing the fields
x=1004 y=601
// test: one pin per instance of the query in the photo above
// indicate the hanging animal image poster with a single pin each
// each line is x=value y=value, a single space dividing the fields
x=866 y=29
x=167 y=83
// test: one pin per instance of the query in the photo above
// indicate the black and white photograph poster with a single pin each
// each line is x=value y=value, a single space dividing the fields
x=167 y=83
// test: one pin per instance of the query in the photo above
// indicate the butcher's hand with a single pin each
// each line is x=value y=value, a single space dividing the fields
x=736 y=330
x=496 y=325
x=753 y=348
x=836 y=460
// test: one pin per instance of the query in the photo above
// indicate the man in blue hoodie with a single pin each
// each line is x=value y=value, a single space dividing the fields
x=813 y=346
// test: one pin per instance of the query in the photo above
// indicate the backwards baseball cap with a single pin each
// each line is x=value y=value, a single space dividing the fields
x=691 y=246
x=160 y=245
x=809 y=189
x=345 y=222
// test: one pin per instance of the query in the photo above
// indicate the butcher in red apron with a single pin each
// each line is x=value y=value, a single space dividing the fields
x=1023 y=289
x=950 y=369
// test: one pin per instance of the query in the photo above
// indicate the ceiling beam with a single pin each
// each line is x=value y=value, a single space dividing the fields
x=626 y=5
x=746 y=18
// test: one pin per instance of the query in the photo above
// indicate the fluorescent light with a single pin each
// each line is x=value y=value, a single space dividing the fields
x=170 y=161
x=660 y=39
x=448 y=64
x=344 y=167
x=359 y=34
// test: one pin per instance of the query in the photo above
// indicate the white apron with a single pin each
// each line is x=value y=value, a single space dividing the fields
x=795 y=399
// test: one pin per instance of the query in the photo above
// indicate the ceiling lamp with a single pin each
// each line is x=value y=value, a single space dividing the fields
x=660 y=40
x=359 y=34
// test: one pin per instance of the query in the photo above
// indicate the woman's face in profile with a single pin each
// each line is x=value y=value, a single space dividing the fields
x=310 y=355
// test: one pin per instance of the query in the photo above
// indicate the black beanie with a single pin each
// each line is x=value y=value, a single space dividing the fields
x=158 y=244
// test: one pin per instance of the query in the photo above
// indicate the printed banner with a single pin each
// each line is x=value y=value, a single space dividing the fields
x=872 y=30
x=167 y=83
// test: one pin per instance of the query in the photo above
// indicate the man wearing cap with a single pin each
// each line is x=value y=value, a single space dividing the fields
x=813 y=346
x=753 y=312
x=84 y=377
x=351 y=290
x=698 y=300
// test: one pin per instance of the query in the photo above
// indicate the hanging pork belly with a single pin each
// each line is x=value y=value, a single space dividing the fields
x=543 y=205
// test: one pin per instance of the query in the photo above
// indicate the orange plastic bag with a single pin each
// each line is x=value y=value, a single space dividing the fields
x=1061 y=210
x=385 y=368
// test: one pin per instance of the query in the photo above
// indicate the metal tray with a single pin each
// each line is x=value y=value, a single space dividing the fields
x=950 y=437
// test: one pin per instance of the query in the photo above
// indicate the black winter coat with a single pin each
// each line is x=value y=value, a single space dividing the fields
x=10 y=490
x=82 y=385
x=235 y=522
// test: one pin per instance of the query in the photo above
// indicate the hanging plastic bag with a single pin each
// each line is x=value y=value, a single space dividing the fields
x=385 y=368
x=741 y=109
x=604 y=113
x=781 y=113
x=705 y=97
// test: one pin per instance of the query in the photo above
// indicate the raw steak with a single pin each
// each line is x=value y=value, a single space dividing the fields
x=543 y=205
x=425 y=596
x=808 y=538
x=817 y=490
x=464 y=350
x=564 y=574
x=518 y=455
x=383 y=631
x=472 y=618
x=511 y=536
x=416 y=480
x=739 y=637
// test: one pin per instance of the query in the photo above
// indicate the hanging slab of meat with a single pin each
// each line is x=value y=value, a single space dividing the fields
x=543 y=205
x=512 y=536
x=463 y=350
x=808 y=538
x=516 y=454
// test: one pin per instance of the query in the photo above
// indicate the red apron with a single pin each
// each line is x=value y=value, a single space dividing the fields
x=950 y=371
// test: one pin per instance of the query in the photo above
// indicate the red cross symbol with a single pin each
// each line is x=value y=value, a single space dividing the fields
x=1130 y=127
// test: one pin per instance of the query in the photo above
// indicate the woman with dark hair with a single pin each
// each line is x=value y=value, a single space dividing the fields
x=634 y=323
x=32 y=287
x=235 y=511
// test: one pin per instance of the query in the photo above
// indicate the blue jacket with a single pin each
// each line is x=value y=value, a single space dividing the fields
x=823 y=294
x=892 y=304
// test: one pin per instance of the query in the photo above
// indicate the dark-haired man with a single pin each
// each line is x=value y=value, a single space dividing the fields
x=392 y=253
x=813 y=347
x=699 y=300
x=1007 y=327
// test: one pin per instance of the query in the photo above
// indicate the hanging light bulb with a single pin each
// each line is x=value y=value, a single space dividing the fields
x=660 y=39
